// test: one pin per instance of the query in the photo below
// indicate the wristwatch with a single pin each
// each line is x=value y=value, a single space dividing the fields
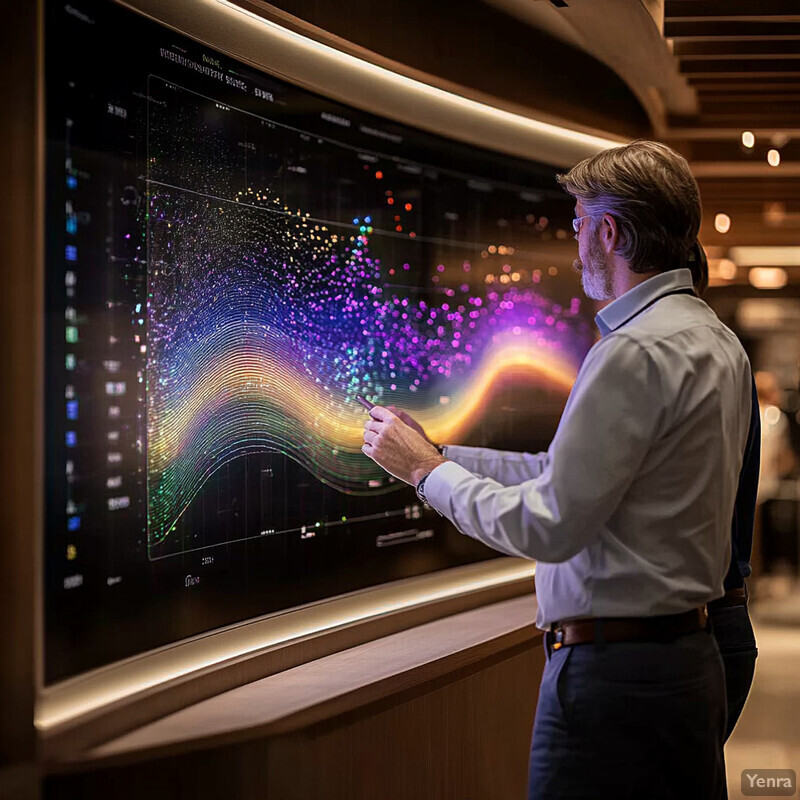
x=421 y=491
x=421 y=485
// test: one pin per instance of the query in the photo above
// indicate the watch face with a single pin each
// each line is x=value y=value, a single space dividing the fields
x=421 y=489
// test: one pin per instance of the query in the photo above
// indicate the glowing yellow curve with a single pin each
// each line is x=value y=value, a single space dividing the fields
x=449 y=423
x=342 y=424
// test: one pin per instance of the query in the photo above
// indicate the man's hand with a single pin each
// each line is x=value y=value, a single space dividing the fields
x=397 y=447
x=410 y=421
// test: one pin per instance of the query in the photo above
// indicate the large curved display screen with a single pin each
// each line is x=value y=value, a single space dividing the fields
x=230 y=260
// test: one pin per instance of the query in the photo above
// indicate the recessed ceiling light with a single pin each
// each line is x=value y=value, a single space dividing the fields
x=775 y=213
x=726 y=269
x=773 y=158
x=768 y=277
x=722 y=223
x=748 y=139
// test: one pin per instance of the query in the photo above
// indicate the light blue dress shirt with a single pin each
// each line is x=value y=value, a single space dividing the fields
x=628 y=513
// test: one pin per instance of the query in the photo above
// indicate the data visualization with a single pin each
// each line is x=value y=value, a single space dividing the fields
x=231 y=260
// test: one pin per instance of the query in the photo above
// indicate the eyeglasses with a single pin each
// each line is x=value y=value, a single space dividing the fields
x=576 y=223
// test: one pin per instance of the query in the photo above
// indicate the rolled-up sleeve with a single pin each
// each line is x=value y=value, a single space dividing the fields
x=610 y=421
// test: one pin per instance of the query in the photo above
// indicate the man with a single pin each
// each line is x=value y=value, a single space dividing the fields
x=629 y=511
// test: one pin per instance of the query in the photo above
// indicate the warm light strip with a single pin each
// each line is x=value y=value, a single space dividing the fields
x=578 y=144
x=88 y=693
x=768 y=277
x=744 y=169
x=765 y=256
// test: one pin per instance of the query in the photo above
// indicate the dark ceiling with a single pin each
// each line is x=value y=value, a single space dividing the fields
x=742 y=58
x=477 y=46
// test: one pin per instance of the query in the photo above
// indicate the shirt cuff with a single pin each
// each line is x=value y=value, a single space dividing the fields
x=440 y=483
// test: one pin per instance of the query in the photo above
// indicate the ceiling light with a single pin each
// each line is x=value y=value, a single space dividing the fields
x=722 y=223
x=726 y=269
x=721 y=271
x=774 y=213
x=773 y=158
x=748 y=139
x=768 y=277
x=765 y=256
x=758 y=314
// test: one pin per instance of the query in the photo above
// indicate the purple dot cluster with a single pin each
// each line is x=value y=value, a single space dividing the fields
x=255 y=266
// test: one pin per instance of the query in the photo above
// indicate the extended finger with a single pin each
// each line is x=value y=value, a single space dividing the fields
x=381 y=413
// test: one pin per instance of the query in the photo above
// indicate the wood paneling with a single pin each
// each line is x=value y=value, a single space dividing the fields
x=725 y=9
x=772 y=67
x=336 y=684
x=738 y=48
x=687 y=29
x=466 y=739
x=20 y=317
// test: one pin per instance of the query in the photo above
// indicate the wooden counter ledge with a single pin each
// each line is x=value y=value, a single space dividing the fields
x=436 y=652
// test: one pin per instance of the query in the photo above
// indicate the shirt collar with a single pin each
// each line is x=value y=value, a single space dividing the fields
x=617 y=313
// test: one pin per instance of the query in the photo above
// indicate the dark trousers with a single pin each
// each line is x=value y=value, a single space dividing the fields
x=631 y=720
x=737 y=645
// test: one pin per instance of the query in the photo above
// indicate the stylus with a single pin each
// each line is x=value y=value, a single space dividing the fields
x=364 y=402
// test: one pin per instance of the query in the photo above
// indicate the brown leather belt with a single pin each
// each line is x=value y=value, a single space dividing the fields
x=625 y=629
x=733 y=597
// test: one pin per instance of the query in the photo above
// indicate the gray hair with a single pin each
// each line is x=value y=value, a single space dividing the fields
x=650 y=191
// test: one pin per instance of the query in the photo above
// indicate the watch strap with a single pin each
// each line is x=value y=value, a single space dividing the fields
x=421 y=490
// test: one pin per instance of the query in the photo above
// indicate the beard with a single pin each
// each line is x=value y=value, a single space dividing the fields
x=595 y=276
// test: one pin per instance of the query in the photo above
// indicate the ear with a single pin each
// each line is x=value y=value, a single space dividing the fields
x=608 y=233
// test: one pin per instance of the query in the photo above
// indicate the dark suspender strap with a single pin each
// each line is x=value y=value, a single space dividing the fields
x=746 y=483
